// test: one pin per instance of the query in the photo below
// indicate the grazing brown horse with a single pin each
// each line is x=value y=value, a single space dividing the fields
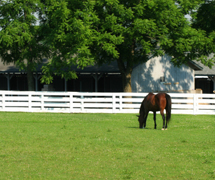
x=154 y=103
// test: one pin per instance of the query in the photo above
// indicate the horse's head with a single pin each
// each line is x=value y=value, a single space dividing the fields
x=141 y=122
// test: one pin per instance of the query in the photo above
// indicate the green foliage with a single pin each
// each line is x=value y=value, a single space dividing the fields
x=202 y=20
x=189 y=5
x=205 y=17
x=140 y=27
x=49 y=69
x=68 y=24
x=83 y=33
x=145 y=29
x=105 y=146
x=21 y=40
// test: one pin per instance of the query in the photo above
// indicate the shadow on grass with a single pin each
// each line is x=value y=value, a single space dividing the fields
x=137 y=128
x=132 y=127
x=144 y=128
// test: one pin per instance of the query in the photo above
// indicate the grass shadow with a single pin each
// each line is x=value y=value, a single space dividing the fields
x=137 y=128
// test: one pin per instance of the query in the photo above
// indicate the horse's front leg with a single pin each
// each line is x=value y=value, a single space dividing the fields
x=163 y=117
x=155 y=120
x=145 y=118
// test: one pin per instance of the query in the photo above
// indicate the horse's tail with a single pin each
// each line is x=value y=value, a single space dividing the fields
x=168 y=107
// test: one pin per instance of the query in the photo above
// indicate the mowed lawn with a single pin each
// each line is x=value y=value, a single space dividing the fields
x=105 y=146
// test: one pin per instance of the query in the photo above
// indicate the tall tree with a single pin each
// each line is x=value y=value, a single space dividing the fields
x=21 y=39
x=204 y=17
x=70 y=36
x=134 y=31
x=126 y=31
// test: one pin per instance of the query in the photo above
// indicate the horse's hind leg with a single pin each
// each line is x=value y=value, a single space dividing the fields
x=155 y=120
x=166 y=122
x=163 y=117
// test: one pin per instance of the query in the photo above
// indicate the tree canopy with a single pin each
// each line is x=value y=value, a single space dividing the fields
x=204 y=17
x=134 y=31
x=20 y=36
x=203 y=20
x=100 y=31
x=68 y=24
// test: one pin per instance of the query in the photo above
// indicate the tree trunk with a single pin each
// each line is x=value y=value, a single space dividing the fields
x=126 y=75
x=126 y=78
x=30 y=78
x=126 y=67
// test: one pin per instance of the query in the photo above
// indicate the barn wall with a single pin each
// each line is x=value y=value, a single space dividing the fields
x=147 y=76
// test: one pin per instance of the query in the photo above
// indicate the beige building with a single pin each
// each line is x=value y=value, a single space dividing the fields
x=159 y=74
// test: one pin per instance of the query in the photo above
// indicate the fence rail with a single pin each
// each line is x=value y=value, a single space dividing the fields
x=77 y=102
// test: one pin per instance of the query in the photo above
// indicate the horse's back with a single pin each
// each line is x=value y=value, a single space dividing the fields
x=154 y=102
x=150 y=102
x=161 y=100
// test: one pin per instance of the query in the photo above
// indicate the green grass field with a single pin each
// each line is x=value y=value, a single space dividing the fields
x=105 y=146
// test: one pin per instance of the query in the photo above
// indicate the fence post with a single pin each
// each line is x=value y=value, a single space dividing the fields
x=120 y=103
x=71 y=102
x=82 y=103
x=113 y=103
x=3 y=101
x=195 y=104
x=29 y=102
x=42 y=102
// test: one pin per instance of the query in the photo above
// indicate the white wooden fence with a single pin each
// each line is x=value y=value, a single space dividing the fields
x=76 y=102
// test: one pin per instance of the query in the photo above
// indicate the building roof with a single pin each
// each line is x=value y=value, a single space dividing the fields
x=195 y=66
x=4 y=68
x=105 y=68
x=206 y=71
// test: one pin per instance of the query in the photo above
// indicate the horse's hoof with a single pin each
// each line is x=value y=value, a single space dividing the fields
x=166 y=129
x=163 y=129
